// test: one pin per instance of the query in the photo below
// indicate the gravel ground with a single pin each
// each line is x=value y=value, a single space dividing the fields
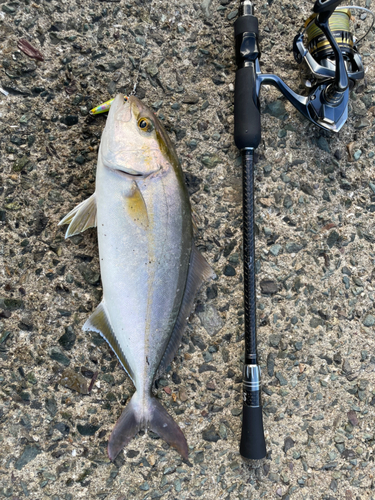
x=315 y=202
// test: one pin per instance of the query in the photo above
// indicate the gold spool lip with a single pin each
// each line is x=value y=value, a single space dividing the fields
x=325 y=43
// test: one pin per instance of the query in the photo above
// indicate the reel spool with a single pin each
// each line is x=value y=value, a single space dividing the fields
x=320 y=48
x=319 y=57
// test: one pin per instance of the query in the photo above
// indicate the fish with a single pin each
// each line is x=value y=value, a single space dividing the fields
x=150 y=267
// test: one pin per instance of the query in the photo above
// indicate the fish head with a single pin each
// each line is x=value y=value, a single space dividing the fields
x=134 y=142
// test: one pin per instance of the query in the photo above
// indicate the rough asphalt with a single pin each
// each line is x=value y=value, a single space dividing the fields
x=61 y=391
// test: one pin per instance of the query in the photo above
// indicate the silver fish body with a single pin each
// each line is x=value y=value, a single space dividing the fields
x=149 y=266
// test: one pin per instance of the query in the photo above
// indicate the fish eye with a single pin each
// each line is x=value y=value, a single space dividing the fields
x=145 y=124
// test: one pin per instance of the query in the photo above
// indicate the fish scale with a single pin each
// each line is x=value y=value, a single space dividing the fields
x=150 y=268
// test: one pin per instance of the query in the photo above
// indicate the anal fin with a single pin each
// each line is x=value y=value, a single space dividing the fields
x=81 y=217
x=199 y=271
x=100 y=323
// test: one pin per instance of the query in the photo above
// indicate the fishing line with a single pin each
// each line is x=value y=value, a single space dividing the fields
x=339 y=24
x=133 y=92
x=353 y=7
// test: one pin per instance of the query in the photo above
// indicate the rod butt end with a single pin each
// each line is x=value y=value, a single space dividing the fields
x=253 y=444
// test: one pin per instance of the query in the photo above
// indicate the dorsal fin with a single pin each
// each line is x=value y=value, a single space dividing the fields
x=99 y=322
x=81 y=217
x=199 y=271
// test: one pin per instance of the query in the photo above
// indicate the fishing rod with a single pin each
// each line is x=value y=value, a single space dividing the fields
x=334 y=65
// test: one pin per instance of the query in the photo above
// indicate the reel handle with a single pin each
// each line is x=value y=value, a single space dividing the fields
x=334 y=93
x=325 y=8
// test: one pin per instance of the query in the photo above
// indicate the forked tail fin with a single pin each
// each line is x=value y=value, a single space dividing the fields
x=153 y=416
x=165 y=427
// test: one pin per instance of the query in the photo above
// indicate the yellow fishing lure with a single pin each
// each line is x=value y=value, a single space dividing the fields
x=103 y=108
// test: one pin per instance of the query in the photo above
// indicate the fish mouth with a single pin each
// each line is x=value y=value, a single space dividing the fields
x=133 y=174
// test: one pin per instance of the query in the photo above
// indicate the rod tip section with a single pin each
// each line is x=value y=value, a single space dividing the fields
x=253 y=444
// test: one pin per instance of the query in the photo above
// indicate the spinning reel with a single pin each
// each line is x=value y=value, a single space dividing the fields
x=319 y=56
x=332 y=61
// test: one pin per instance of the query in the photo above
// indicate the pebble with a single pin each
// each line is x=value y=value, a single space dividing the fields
x=275 y=250
x=190 y=99
x=11 y=304
x=369 y=320
x=267 y=170
x=91 y=276
x=271 y=363
x=205 y=6
x=70 y=120
x=332 y=238
x=29 y=453
x=210 y=161
x=87 y=429
x=210 y=319
x=269 y=287
x=232 y=14
x=229 y=270
x=211 y=435
x=323 y=144
x=293 y=247
x=361 y=124
x=288 y=444
x=280 y=377
x=58 y=356
x=276 y=109
x=73 y=380
x=288 y=202
x=20 y=164
x=223 y=432
x=199 y=457
x=67 y=340
x=51 y=406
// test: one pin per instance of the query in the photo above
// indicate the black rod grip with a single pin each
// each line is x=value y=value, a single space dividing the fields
x=253 y=445
x=247 y=132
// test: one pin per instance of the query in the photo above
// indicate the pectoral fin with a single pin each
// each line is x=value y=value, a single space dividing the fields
x=199 y=271
x=136 y=207
x=99 y=322
x=81 y=217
